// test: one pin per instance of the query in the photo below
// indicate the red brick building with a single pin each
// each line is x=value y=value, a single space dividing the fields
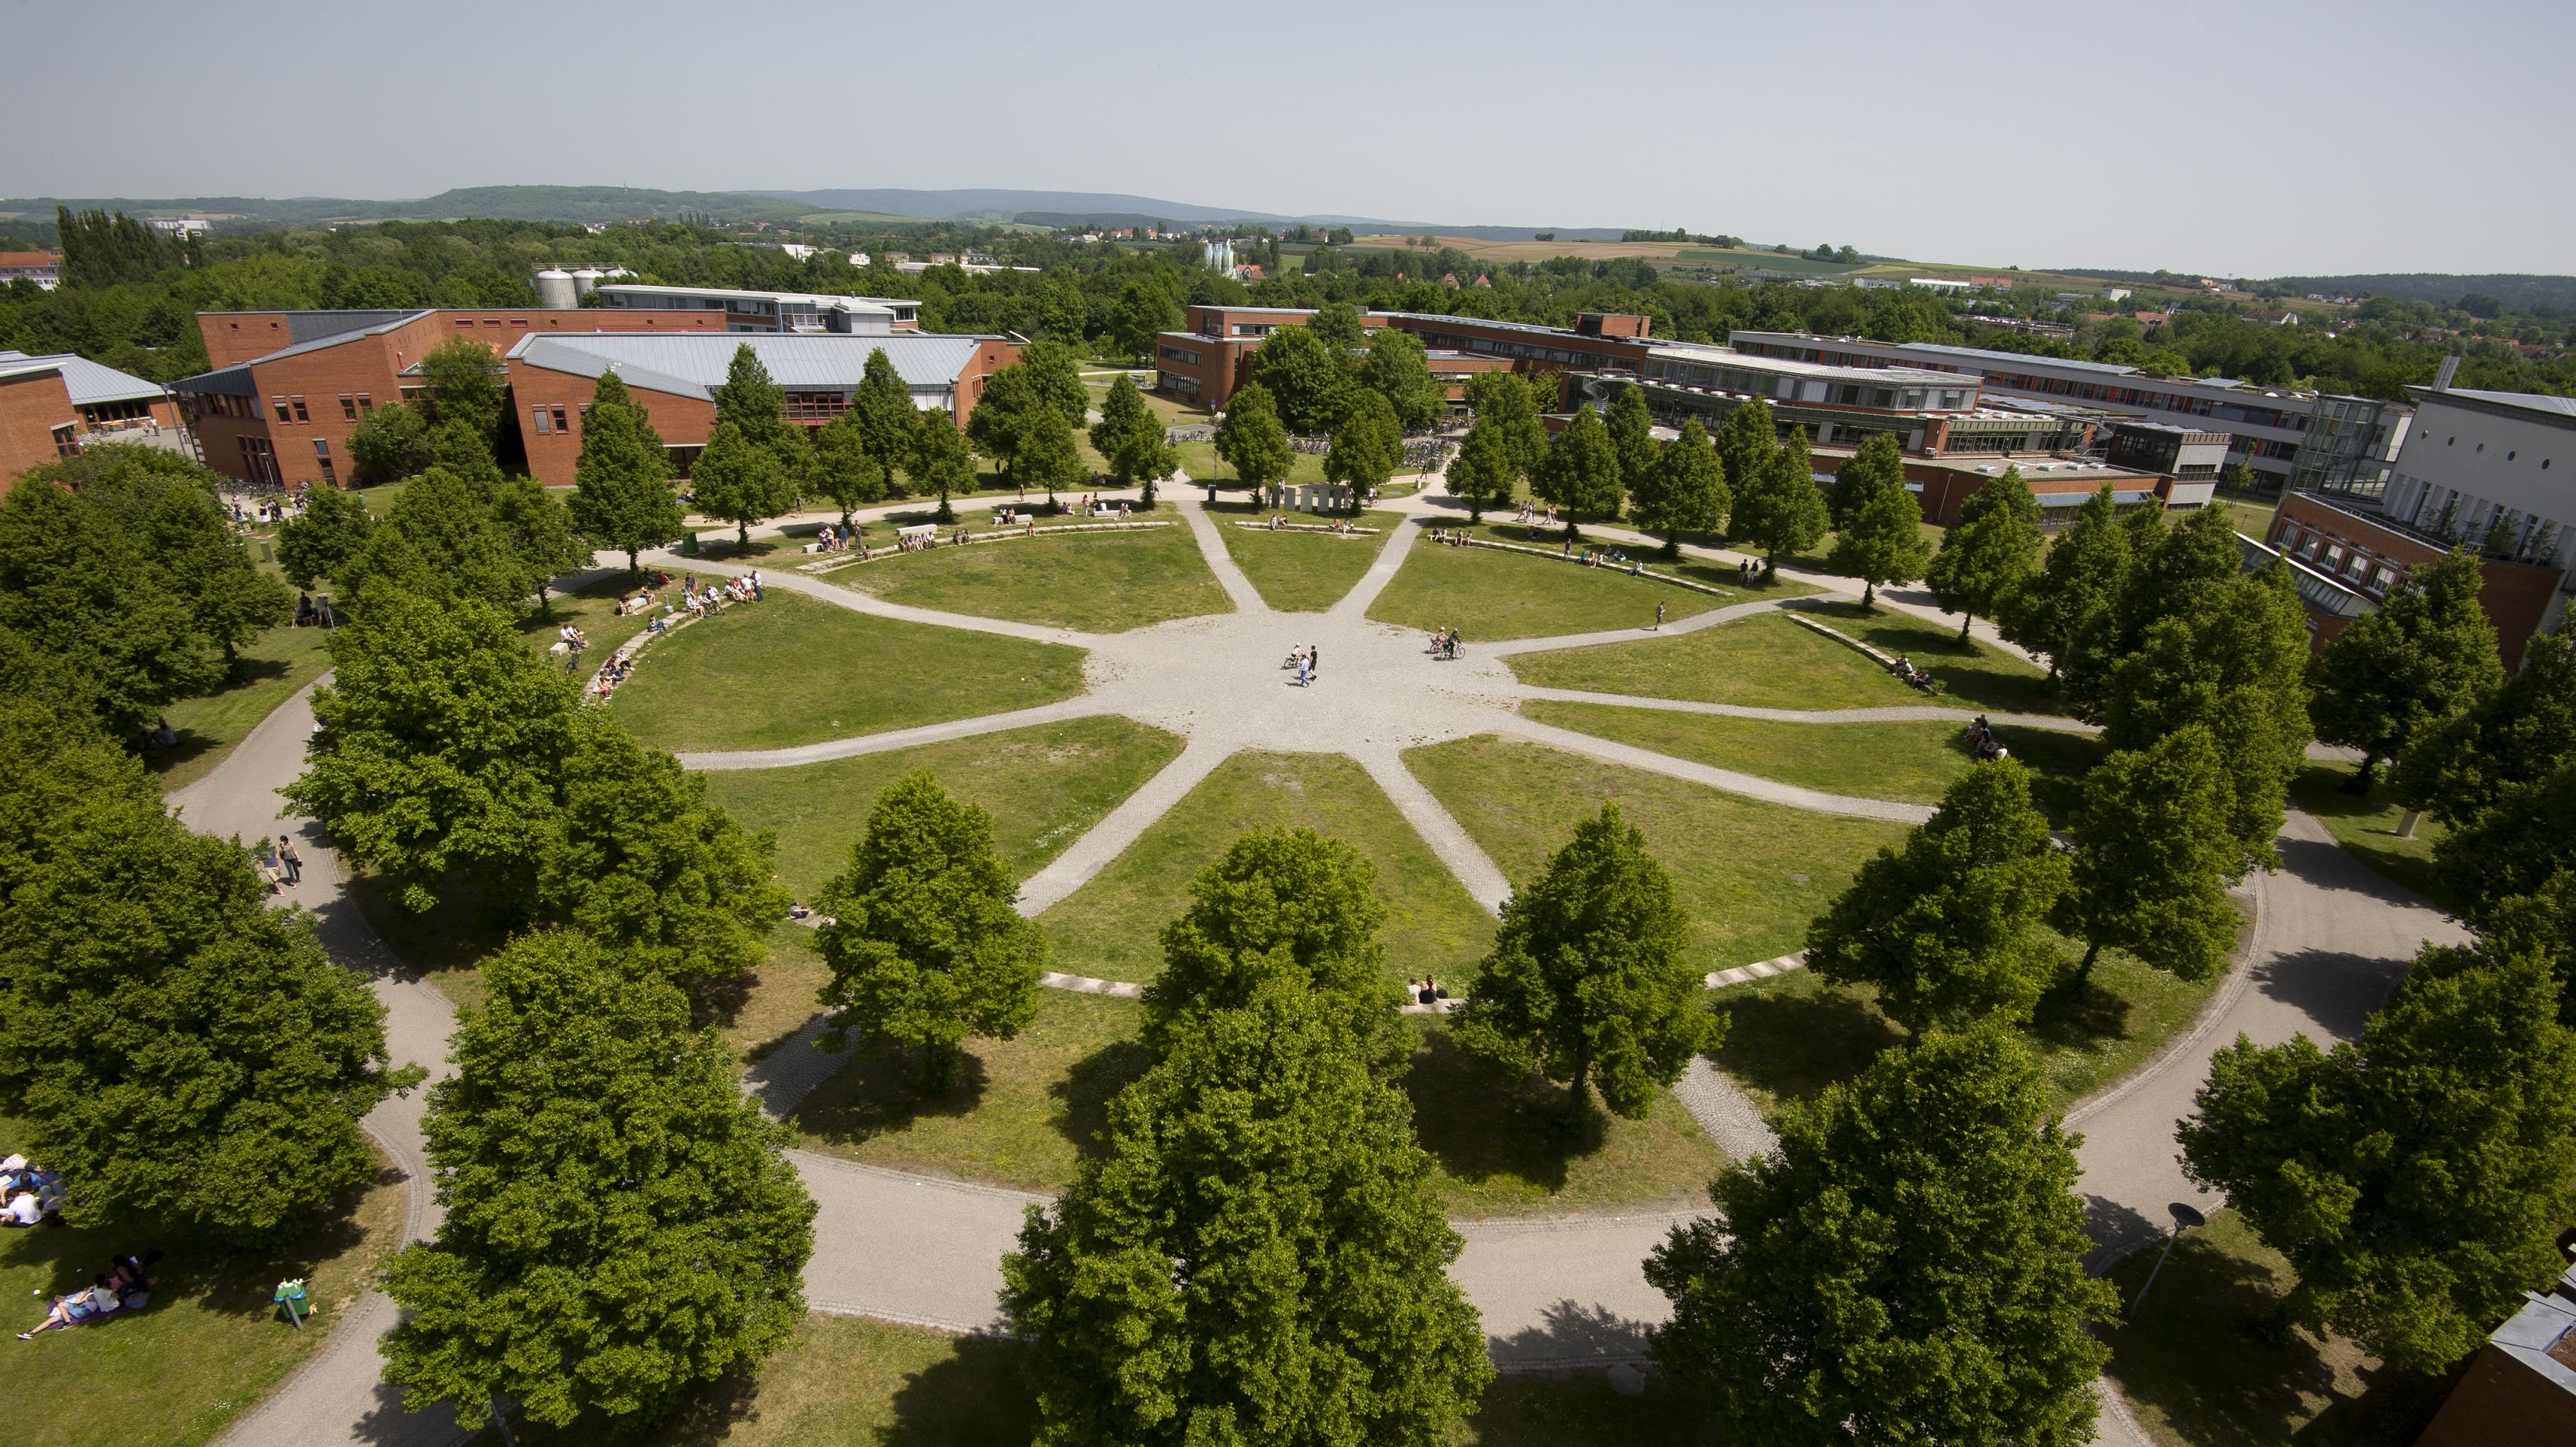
x=2347 y=556
x=2059 y=484
x=51 y=406
x=674 y=376
x=1211 y=357
x=288 y=387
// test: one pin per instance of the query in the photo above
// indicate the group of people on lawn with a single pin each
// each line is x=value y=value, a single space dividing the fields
x=1907 y=673
x=29 y=1193
x=34 y=1197
x=1981 y=738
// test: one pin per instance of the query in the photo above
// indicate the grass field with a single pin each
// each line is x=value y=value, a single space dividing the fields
x=2200 y=1368
x=850 y=1380
x=1910 y=762
x=1302 y=572
x=209 y=1347
x=1493 y=595
x=1199 y=460
x=1767 y=661
x=1109 y=927
x=1043 y=786
x=793 y=671
x=1794 y=1034
x=1095 y=582
x=2368 y=827
x=1749 y=875
x=273 y=667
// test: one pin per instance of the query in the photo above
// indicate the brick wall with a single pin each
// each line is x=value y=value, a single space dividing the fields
x=2516 y=597
x=31 y=407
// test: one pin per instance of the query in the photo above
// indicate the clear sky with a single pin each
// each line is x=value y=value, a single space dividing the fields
x=2256 y=139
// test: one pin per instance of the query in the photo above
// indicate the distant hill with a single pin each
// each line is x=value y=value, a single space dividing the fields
x=1097 y=208
x=508 y=203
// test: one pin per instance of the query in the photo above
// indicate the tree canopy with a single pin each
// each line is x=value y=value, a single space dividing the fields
x=1876 y=464
x=1580 y=474
x=1990 y=555
x=621 y=496
x=1254 y=1256
x=1587 y=982
x=2417 y=1177
x=1306 y=376
x=846 y=470
x=1879 y=538
x=1281 y=902
x=1632 y=438
x=2076 y=587
x=2422 y=659
x=1251 y=439
x=2511 y=739
x=1947 y=925
x=884 y=409
x=621 y=1220
x=2154 y=856
x=924 y=946
x=1367 y=446
x=1130 y=438
x=1778 y=509
x=1398 y=369
x=1684 y=490
x=741 y=481
x=172 y=1045
x=1906 y=1267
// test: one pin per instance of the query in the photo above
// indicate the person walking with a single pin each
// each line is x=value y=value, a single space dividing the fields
x=1314 y=662
x=289 y=860
x=1301 y=670
x=1659 y=617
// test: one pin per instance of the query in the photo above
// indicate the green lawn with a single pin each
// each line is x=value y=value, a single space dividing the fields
x=1750 y=875
x=1302 y=572
x=1794 y=1034
x=850 y=1380
x=1109 y=928
x=1095 y=582
x=2368 y=827
x=1909 y=762
x=792 y=671
x=2201 y=1368
x=1492 y=595
x=1199 y=460
x=273 y=667
x=1767 y=661
x=1044 y=786
x=209 y=1347
x=1020 y=1113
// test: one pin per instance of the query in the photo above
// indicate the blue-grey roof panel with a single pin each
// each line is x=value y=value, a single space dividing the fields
x=91 y=382
x=692 y=364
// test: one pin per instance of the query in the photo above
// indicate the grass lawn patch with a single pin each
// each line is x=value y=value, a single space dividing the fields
x=1505 y=1150
x=793 y=671
x=1095 y=582
x=1021 y=1111
x=2202 y=1367
x=273 y=668
x=1200 y=462
x=2368 y=826
x=1909 y=762
x=1045 y=786
x=1750 y=875
x=208 y=1348
x=1491 y=595
x=1768 y=661
x=1794 y=1034
x=1111 y=927
x=848 y=1379
x=1302 y=572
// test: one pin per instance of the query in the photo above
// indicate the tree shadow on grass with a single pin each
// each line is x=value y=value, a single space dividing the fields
x=879 y=1093
x=979 y=1397
x=2078 y=1017
x=1968 y=672
x=1478 y=1128
x=1793 y=1043
x=1090 y=1085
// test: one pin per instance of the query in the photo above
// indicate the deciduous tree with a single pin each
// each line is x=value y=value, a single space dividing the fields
x=1990 y=555
x=1684 y=491
x=1780 y=509
x=621 y=1220
x=1881 y=537
x=1580 y=474
x=2421 y=660
x=1907 y=1267
x=1746 y=442
x=1398 y=369
x=1130 y=438
x=2154 y=856
x=79 y=585
x=885 y=412
x=175 y=1047
x=540 y=531
x=1587 y=982
x=2075 y=589
x=1947 y=925
x=621 y=496
x=2515 y=737
x=1510 y=403
x=1255 y=1256
x=2416 y=1178
x=924 y=946
x=331 y=533
x=1878 y=463
x=1309 y=380
x=751 y=402
x=462 y=380
x=1042 y=455
x=1143 y=310
x=1482 y=471
x=389 y=443
x=1337 y=325
x=1367 y=446
x=740 y=481
x=1251 y=439
x=1281 y=902
x=1632 y=438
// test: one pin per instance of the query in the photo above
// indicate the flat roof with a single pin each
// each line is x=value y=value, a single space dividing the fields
x=89 y=382
x=1563 y=333
x=1987 y=354
x=2560 y=411
x=1703 y=353
x=692 y=364
x=819 y=300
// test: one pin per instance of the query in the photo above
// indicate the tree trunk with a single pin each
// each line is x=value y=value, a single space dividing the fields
x=633 y=563
x=2359 y=783
x=1964 y=620
x=1578 y=1101
x=2084 y=971
x=742 y=536
x=1868 y=596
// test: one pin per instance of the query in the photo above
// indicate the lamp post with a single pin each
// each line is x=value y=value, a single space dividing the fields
x=2185 y=1217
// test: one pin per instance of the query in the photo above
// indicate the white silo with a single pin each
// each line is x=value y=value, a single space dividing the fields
x=554 y=290
x=585 y=280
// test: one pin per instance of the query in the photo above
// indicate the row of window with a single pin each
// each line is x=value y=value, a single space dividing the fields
x=290 y=406
x=2330 y=556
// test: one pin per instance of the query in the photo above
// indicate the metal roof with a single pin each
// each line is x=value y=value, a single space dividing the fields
x=88 y=381
x=821 y=301
x=2555 y=409
x=692 y=364
x=385 y=321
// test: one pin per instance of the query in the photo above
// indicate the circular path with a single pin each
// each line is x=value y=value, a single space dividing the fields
x=1555 y=1292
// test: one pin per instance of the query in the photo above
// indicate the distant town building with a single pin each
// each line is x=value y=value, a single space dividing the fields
x=44 y=268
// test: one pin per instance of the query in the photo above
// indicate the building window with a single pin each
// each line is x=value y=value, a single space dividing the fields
x=537 y=415
x=366 y=404
x=67 y=440
x=300 y=415
x=412 y=395
x=348 y=408
x=282 y=414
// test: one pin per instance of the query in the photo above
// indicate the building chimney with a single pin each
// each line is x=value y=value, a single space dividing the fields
x=2450 y=369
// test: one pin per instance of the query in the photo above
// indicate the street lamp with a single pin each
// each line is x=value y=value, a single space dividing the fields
x=2185 y=1217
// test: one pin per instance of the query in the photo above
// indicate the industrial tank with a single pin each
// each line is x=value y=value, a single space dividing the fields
x=585 y=280
x=555 y=290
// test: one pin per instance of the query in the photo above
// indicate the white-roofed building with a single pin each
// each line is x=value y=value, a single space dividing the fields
x=51 y=405
x=674 y=376
x=810 y=313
